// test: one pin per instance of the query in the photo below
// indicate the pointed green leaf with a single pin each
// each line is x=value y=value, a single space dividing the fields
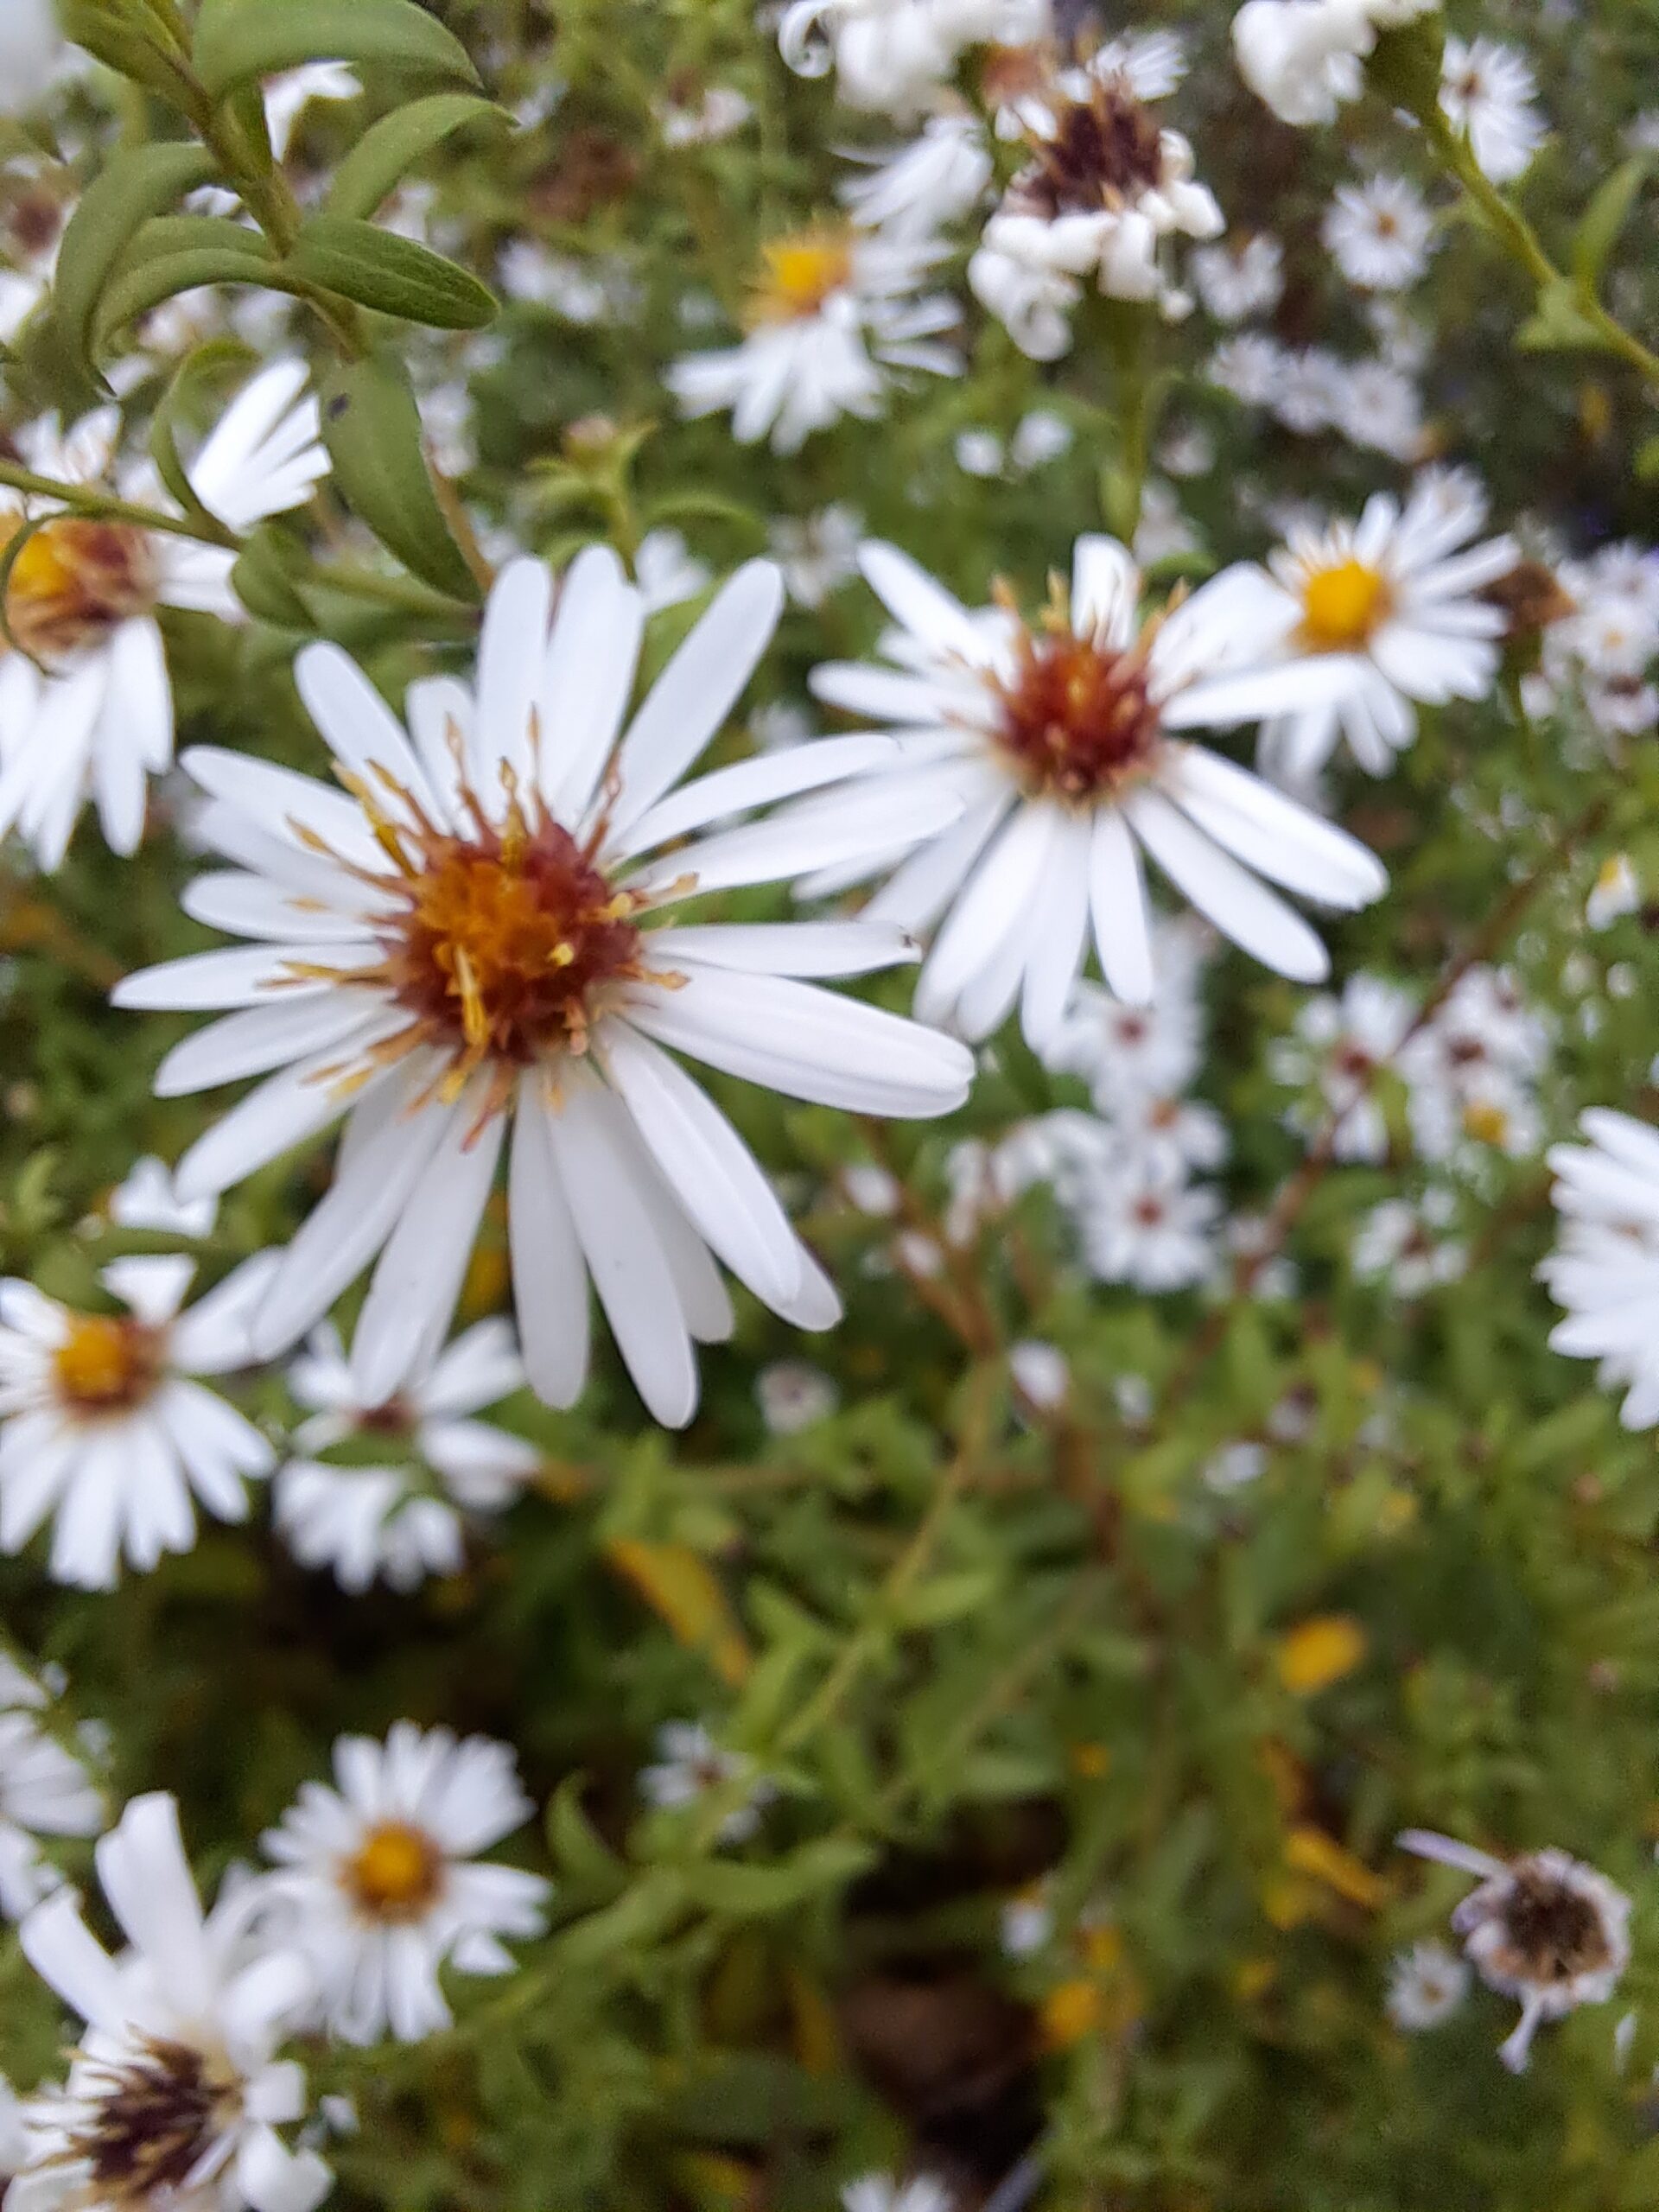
x=133 y=188
x=1560 y=324
x=138 y=290
x=390 y=148
x=1605 y=217
x=392 y=275
x=371 y=427
x=239 y=39
x=128 y=48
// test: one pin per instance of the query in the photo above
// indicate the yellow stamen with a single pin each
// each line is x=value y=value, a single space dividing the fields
x=1344 y=608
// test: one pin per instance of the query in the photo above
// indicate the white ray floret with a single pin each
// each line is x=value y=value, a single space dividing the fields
x=406 y=1518
x=105 y=1428
x=175 y=2092
x=463 y=953
x=379 y=1883
x=1069 y=738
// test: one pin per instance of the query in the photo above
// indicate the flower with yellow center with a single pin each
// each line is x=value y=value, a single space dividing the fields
x=468 y=946
x=104 y=1427
x=800 y=273
x=1343 y=607
x=380 y=1878
x=1069 y=737
x=1400 y=598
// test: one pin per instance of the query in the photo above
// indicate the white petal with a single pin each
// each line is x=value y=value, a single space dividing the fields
x=549 y=1277
x=1241 y=908
x=1117 y=899
x=587 y=677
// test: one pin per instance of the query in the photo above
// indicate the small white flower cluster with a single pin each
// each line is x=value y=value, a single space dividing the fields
x=1374 y=404
x=890 y=56
x=1603 y=652
x=1305 y=58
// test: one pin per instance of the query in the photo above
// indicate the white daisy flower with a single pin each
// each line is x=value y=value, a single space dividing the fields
x=1488 y=91
x=1379 y=233
x=1235 y=1466
x=104 y=1427
x=1605 y=1269
x=793 y=1396
x=889 y=56
x=1472 y=1068
x=378 y=1881
x=691 y=1764
x=32 y=54
x=1311 y=390
x=1125 y=1053
x=1426 y=1985
x=1376 y=406
x=1105 y=188
x=1405 y=1243
x=1249 y=367
x=1027 y=1920
x=1399 y=593
x=1544 y=1929
x=835 y=311
x=465 y=942
x=880 y=2193
x=86 y=706
x=288 y=95
x=1150 y=1230
x=44 y=1791
x=1040 y=437
x=175 y=2092
x=1065 y=735
x=403 y=1519
x=1342 y=1043
x=1238 y=280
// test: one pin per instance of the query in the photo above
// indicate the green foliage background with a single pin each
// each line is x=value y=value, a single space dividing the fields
x=973 y=1647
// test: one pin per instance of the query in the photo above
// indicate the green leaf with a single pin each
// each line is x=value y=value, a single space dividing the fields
x=138 y=290
x=195 y=234
x=388 y=149
x=197 y=368
x=1605 y=217
x=745 y=1888
x=239 y=39
x=393 y=276
x=577 y=1850
x=1647 y=461
x=371 y=427
x=263 y=577
x=133 y=188
x=1560 y=324
x=121 y=46
x=639 y=1915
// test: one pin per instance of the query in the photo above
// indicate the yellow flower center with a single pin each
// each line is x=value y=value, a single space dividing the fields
x=396 y=1873
x=800 y=273
x=1344 y=608
x=1485 y=1122
x=75 y=582
x=106 y=1366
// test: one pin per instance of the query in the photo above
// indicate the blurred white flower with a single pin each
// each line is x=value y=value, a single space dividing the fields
x=1379 y=233
x=691 y=1764
x=378 y=1881
x=793 y=1396
x=1239 y=279
x=1426 y=1985
x=1489 y=91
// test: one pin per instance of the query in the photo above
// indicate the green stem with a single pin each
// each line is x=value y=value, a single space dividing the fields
x=98 y=506
x=1524 y=245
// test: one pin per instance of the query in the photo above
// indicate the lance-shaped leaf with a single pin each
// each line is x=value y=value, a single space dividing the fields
x=389 y=149
x=114 y=208
x=150 y=278
x=393 y=276
x=239 y=39
x=263 y=577
x=371 y=427
x=1605 y=217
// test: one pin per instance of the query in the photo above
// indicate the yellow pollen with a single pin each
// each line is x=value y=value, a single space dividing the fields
x=1485 y=1122
x=800 y=273
x=396 y=1873
x=102 y=1366
x=1344 y=608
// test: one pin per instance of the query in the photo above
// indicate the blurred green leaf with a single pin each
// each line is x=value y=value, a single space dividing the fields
x=371 y=427
x=131 y=188
x=394 y=275
x=239 y=39
x=391 y=147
